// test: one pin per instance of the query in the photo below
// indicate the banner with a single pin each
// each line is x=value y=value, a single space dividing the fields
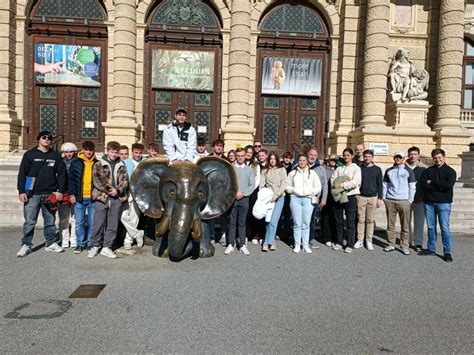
x=62 y=64
x=176 y=69
x=291 y=76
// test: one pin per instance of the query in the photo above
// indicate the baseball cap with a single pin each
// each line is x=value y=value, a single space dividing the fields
x=399 y=153
x=181 y=109
x=44 y=133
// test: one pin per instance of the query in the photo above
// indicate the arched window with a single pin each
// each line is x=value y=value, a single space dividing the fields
x=292 y=20
x=88 y=9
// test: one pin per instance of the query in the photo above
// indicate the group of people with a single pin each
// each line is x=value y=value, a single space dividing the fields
x=300 y=199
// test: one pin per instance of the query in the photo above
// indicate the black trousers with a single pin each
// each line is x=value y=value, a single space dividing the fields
x=350 y=210
x=328 y=222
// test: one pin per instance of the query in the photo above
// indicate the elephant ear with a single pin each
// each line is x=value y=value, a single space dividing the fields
x=145 y=185
x=223 y=185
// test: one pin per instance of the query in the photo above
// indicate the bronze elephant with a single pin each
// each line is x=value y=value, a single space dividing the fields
x=180 y=197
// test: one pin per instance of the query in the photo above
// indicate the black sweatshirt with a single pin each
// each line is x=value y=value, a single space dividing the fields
x=440 y=188
x=371 y=184
x=47 y=167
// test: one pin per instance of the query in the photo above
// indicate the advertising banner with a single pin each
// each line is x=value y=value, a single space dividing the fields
x=67 y=65
x=176 y=69
x=291 y=76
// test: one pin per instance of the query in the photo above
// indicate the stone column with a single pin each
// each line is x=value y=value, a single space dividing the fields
x=450 y=59
x=375 y=63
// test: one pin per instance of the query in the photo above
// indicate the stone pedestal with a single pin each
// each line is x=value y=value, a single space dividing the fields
x=408 y=115
x=120 y=131
x=238 y=137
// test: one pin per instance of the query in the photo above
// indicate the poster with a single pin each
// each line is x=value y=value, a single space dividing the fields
x=291 y=76
x=62 y=64
x=189 y=70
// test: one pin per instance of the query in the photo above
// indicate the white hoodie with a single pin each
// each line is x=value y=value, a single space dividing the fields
x=303 y=183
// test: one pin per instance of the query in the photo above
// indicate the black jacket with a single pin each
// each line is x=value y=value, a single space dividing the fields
x=76 y=175
x=47 y=167
x=440 y=188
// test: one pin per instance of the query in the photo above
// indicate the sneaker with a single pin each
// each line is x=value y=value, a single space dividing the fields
x=336 y=247
x=314 y=244
x=93 y=252
x=426 y=252
x=370 y=246
x=307 y=250
x=406 y=251
x=296 y=249
x=273 y=247
x=448 y=258
x=255 y=241
x=65 y=244
x=229 y=250
x=55 y=248
x=265 y=247
x=222 y=241
x=244 y=250
x=418 y=248
x=139 y=238
x=388 y=248
x=77 y=250
x=73 y=245
x=127 y=245
x=358 y=244
x=348 y=250
x=328 y=244
x=24 y=251
x=108 y=253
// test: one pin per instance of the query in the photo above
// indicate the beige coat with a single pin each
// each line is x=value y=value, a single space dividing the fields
x=275 y=179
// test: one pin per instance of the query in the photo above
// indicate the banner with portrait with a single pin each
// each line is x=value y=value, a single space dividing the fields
x=291 y=76
x=177 y=69
x=62 y=64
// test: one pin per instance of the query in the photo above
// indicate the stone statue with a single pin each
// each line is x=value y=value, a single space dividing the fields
x=406 y=82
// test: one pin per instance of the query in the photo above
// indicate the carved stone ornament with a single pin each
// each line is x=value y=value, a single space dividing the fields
x=406 y=82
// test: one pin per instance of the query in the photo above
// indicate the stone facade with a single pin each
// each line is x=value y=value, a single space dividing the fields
x=364 y=35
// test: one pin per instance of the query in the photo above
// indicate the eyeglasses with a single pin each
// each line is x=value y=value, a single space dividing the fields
x=46 y=138
x=257 y=146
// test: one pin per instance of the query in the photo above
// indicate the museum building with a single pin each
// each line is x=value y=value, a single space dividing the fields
x=330 y=73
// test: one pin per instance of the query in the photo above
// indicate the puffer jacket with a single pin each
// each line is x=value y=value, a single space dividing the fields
x=76 y=176
x=104 y=179
x=303 y=183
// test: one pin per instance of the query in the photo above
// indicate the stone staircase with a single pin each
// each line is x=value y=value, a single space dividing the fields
x=11 y=210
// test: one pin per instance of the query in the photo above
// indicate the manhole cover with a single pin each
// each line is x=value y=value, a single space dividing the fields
x=40 y=309
x=87 y=291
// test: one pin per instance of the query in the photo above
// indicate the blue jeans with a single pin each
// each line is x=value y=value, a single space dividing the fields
x=301 y=209
x=30 y=211
x=272 y=226
x=80 y=211
x=440 y=212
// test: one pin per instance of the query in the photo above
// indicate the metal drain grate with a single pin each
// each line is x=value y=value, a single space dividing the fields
x=87 y=291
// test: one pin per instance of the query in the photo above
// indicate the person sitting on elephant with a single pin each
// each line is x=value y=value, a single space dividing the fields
x=179 y=138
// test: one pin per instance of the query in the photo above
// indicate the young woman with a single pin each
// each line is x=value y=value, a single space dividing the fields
x=346 y=180
x=273 y=177
x=303 y=184
x=231 y=156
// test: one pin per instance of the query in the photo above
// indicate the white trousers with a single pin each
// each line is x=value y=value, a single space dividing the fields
x=130 y=218
x=67 y=224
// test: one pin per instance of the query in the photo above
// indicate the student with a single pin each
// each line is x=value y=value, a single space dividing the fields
x=153 y=150
x=123 y=152
x=131 y=215
x=45 y=166
x=328 y=221
x=110 y=192
x=218 y=149
x=231 y=156
x=200 y=150
x=179 y=138
x=80 y=191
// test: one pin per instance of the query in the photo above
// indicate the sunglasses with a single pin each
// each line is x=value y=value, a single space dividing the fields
x=257 y=146
x=49 y=138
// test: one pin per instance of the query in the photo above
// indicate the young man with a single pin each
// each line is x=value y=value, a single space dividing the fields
x=110 y=192
x=80 y=191
x=359 y=154
x=42 y=173
x=131 y=216
x=437 y=183
x=200 y=150
x=399 y=186
x=218 y=149
x=262 y=156
x=328 y=219
x=370 y=198
x=313 y=164
x=238 y=214
x=153 y=149
x=123 y=152
x=257 y=146
x=417 y=214
x=179 y=138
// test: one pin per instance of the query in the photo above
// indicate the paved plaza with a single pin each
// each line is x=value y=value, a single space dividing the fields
x=278 y=302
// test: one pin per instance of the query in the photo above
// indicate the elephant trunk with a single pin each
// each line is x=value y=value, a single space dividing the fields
x=181 y=222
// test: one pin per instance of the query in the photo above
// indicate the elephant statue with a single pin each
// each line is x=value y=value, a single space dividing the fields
x=181 y=196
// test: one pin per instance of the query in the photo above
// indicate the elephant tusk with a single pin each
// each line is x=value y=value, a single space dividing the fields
x=196 y=229
x=164 y=226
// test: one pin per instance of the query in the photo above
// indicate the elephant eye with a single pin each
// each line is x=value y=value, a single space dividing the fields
x=200 y=194
x=172 y=192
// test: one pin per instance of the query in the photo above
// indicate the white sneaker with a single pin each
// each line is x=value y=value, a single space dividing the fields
x=358 y=244
x=328 y=244
x=255 y=241
x=229 y=250
x=406 y=251
x=65 y=244
x=139 y=238
x=73 y=245
x=370 y=246
x=24 y=251
x=388 y=248
x=55 y=248
x=244 y=250
x=93 y=252
x=348 y=250
x=222 y=241
x=127 y=243
x=307 y=250
x=336 y=247
x=108 y=253
x=297 y=249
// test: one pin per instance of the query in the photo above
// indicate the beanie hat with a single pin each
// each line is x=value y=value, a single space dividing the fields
x=68 y=147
